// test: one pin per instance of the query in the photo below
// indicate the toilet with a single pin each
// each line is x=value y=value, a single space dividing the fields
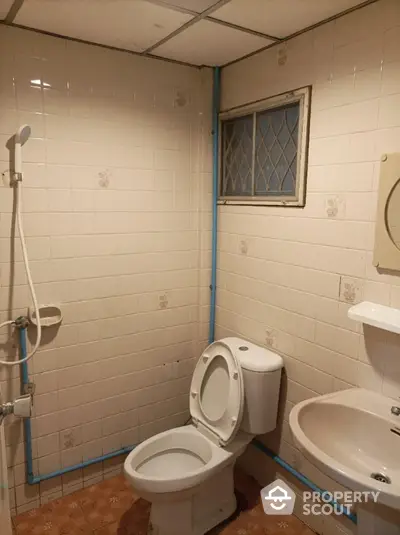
x=187 y=472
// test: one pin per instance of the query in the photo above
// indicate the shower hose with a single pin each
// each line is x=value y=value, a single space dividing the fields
x=18 y=186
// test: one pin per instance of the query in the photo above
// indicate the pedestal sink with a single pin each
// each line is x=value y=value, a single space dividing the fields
x=353 y=437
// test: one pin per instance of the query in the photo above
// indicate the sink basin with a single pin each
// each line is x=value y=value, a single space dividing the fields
x=353 y=437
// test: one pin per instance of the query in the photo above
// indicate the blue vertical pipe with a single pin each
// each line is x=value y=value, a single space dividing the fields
x=213 y=285
x=27 y=421
x=32 y=479
x=215 y=133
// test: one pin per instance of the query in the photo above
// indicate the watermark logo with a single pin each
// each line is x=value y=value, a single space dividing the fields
x=335 y=503
x=278 y=498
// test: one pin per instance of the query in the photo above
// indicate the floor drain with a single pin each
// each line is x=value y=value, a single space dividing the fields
x=381 y=477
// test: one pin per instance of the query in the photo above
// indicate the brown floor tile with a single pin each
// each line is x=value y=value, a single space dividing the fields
x=111 y=529
x=112 y=508
x=135 y=521
x=254 y=522
x=106 y=502
x=60 y=517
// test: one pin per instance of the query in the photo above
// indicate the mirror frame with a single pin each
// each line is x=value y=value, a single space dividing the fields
x=386 y=253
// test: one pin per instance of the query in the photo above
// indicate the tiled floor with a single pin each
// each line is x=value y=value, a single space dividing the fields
x=112 y=508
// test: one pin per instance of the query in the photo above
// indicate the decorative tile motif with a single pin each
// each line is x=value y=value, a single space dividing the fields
x=112 y=508
x=351 y=290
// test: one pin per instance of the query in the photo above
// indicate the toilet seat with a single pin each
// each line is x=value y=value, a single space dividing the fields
x=217 y=394
x=149 y=468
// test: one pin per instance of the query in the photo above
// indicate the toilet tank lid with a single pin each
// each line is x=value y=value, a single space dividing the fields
x=253 y=357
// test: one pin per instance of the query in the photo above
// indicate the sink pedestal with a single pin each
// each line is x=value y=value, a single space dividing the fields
x=376 y=519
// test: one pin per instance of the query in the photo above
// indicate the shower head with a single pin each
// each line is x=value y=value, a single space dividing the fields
x=22 y=135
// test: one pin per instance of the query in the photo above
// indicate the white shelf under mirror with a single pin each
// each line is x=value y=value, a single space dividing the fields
x=379 y=316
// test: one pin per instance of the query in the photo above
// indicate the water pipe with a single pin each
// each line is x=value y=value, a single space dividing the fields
x=215 y=151
x=303 y=479
x=31 y=478
x=27 y=421
x=213 y=288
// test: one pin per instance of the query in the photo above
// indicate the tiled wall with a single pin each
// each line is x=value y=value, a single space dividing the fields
x=287 y=276
x=112 y=205
x=116 y=208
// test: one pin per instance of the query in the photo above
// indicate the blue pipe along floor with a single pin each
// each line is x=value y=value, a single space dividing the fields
x=32 y=479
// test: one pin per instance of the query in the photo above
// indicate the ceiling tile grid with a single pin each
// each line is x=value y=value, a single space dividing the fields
x=198 y=6
x=134 y=26
x=208 y=43
x=280 y=18
x=197 y=32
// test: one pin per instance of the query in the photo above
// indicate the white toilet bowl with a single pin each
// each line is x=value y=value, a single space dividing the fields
x=174 y=461
x=187 y=472
x=187 y=478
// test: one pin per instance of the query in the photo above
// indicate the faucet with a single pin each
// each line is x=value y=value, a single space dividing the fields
x=395 y=410
x=21 y=407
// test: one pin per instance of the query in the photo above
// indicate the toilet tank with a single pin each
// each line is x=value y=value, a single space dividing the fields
x=262 y=371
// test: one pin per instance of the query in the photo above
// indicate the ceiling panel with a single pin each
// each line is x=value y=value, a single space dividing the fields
x=134 y=25
x=194 y=5
x=280 y=18
x=208 y=43
x=5 y=6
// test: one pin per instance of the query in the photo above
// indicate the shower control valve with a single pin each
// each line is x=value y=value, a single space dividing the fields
x=21 y=407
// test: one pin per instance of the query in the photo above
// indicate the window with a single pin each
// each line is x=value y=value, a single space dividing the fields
x=263 y=151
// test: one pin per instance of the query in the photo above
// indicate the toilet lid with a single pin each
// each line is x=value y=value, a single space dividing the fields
x=217 y=392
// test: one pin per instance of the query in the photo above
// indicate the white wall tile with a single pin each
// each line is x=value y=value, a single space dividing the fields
x=110 y=200
x=269 y=256
x=117 y=191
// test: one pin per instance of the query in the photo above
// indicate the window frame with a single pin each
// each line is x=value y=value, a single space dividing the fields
x=303 y=97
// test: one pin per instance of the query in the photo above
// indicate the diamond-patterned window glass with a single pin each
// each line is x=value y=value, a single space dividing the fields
x=275 y=165
x=237 y=154
x=264 y=151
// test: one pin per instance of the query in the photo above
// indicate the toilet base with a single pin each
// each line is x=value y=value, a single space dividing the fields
x=196 y=511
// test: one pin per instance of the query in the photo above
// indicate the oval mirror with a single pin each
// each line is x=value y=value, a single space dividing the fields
x=392 y=215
